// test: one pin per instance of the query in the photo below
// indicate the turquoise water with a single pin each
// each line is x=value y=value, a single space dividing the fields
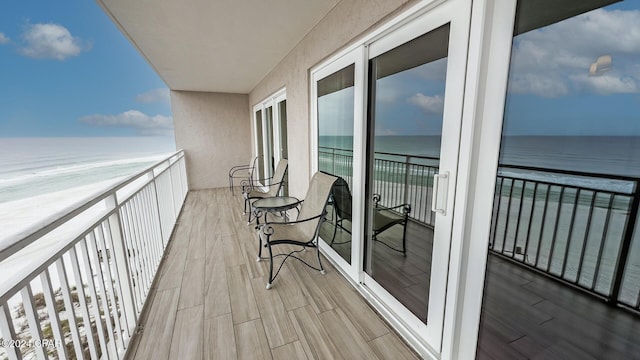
x=36 y=166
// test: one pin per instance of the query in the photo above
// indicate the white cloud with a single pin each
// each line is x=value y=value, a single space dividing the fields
x=429 y=104
x=555 y=61
x=156 y=95
x=538 y=84
x=387 y=94
x=142 y=123
x=4 y=39
x=607 y=84
x=435 y=70
x=50 y=41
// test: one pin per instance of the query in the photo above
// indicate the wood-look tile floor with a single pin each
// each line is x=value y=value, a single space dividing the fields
x=209 y=300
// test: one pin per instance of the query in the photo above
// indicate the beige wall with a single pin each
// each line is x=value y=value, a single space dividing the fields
x=342 y=26
x=214 y=130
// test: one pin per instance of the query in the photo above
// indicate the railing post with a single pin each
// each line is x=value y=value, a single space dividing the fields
x=623 y=255
x=120 y=254
x=157 y=202
x=407 y=166
x=8 y=332
x=333 y=160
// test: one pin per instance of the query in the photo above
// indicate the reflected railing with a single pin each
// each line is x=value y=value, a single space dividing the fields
x=74 y=285
x=400 y=178
x=576 y=227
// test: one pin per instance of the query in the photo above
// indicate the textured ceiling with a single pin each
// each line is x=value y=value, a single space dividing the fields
x=215 y=45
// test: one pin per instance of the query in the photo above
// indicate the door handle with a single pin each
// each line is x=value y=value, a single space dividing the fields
x=440 y=191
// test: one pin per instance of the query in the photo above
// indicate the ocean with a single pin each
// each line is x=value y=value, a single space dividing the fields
x=40 y=175
x=613 y=155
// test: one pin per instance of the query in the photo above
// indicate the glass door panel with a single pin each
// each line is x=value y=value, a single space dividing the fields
x=282 y=112
x=283 y=153
x=414 y=114
x=269 y=151
x=335 y=106
x=404 y=157
x=259 y=145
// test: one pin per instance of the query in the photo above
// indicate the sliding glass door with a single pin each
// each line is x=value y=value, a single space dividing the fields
x=407 y=87
x=387 y=117
x=270 y=120
x=338 y=92
x=416 y=80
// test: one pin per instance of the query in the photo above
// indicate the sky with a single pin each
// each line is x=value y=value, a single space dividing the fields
x=550 y=88
x=67 y=71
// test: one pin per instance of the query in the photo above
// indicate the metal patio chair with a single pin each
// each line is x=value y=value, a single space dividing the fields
x=303 y=231
x=252 y=191
x=383 y=217
x=243 y=172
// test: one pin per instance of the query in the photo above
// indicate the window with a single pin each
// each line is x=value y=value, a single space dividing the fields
x=566 y=191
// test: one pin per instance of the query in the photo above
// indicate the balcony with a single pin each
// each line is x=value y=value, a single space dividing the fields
x=173 y=279
x=209 y=300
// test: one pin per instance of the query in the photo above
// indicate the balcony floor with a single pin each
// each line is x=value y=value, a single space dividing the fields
x=529 y=316
x=210 y=301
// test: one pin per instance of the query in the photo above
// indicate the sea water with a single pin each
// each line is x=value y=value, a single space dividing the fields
x=612 y=155
x=41 y=175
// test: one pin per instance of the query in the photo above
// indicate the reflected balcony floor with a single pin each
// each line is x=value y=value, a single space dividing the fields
x=528 y=316
x=525 y=315
x=209 y=300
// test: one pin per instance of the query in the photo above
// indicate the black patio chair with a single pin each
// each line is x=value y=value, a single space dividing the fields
x=243 y=172
x=252 y=191
x=383 y=217
x=304 y=230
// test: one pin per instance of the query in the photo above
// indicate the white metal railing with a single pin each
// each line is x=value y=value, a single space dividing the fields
x=73 y=286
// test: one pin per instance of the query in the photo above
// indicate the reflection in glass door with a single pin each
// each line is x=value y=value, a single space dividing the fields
x=259 y=145
x=407 y=89
x=282 y=151
x=335 y=106
x=269 y=159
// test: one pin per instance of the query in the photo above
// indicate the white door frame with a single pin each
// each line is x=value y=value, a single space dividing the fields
x=489 y=26
x=355 y=57
x=270 y=101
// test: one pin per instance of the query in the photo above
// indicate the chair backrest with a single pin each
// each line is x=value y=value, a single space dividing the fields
x=315 y=201
x=252 y=170
x=278 y=177
x=342 y=200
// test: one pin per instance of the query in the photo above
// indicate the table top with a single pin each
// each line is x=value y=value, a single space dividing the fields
x=278 y=203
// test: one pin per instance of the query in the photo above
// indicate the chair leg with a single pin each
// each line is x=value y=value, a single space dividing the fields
x=319 y=261
x=335 y=230
x=259 y=247
x=404 y=239
x=270 y=265
x=247 y=205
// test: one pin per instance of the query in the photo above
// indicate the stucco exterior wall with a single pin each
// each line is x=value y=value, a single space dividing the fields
x=214 y=130
x=346 y=22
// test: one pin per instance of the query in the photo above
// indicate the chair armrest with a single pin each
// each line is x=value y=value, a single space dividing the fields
x=247 y=186
x=406 y=207
x=291 y=222
x=235 y=169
